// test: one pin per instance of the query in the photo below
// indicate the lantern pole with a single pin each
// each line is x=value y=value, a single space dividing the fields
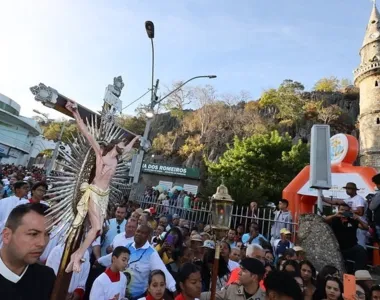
x=215 y=270
x=221 y=210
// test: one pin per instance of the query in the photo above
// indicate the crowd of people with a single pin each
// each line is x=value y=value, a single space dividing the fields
x=153 y=254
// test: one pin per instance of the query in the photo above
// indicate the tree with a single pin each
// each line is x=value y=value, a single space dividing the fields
x=329 y=114
x=345 y=82
x=205 y=98
x=259 y=167
x=177 y=101
x=132 y=123
x=286 y=101
x=331 y=84
x=53 y=130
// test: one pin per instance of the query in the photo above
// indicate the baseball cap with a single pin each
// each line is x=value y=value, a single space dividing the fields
x=208 y=244
x=253 y=265
x=284 y=231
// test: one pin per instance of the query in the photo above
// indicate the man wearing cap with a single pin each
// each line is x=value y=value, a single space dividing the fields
x=358 y=206
x=251 y=273
x=283 y=243
x=344 y=224
x=301 y=255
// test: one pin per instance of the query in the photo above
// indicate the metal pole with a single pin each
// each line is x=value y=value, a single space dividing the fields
x=55 y=154
x=140 y=156
x=320 y=202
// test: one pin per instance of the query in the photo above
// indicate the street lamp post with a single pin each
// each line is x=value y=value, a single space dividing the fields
x=149 y=27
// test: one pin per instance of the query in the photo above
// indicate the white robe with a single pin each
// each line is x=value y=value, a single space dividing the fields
x=78 y=280
x=6 y=206
x=106 y=288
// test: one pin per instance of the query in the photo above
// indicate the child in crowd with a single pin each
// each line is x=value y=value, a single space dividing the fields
x=156 y=286
x=111 y=284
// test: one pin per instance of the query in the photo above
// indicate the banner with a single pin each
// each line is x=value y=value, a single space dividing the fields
x=171 y=170
x=337 y=191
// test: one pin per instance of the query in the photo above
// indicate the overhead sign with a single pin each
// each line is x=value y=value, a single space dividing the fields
x=171 y=170
x=339 y=180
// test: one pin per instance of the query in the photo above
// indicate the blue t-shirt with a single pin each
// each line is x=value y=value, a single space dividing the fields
x=245 y=238
x=281 y=247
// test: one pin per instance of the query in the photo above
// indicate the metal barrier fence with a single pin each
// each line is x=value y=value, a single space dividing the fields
x=241 y=215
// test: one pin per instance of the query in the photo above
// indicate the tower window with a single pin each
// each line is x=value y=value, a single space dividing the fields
x=376 y=83
x=373 y=21
x=378 y=121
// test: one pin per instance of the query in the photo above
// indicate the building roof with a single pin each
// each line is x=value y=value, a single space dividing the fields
x=25 y=122
x=373 y=28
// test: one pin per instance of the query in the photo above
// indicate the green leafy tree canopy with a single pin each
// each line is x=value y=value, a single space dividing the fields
x=259 y=167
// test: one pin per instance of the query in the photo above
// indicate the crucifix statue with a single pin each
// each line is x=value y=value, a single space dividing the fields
x=92 y=178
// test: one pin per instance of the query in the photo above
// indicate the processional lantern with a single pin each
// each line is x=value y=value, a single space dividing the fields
x=221 y=211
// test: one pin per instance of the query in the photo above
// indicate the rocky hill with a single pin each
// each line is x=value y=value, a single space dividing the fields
x=208 y=130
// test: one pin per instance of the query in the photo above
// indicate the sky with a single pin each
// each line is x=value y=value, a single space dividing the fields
x=79 y=46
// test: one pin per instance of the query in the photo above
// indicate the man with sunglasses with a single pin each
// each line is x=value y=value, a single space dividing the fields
x=115 y=226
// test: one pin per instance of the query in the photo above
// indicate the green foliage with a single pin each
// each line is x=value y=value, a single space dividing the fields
x=48 y=153
x=287 y=100
x=163 y=143
x=134 y=124
x=53 y=130
x=331 y=84
x=259 y=167
x=192 y=145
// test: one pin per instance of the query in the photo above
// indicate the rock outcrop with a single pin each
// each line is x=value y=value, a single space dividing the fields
x=318 y=240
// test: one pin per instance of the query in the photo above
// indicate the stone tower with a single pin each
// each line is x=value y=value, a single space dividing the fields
x=367 y=78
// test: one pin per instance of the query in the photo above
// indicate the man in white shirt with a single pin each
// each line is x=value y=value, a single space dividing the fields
x=78 y=280
x=125 y=238
x=115 y=226
x=21 y=189
x=144 y=259
x=358 y=206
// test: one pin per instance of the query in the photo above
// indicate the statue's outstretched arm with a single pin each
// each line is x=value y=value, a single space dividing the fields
x=83 y=128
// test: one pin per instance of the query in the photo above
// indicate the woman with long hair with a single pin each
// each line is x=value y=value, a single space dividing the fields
x=179 y=259
x=225 y=251
x=189 y=282
x=156 y=286
x=321 y=280
x=172 y=242
x=308 y=274
x=333 y=289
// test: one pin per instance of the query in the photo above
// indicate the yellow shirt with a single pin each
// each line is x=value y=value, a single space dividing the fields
x=164 y=257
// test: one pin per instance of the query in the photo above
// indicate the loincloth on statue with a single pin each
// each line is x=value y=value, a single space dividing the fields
x=97 y=195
